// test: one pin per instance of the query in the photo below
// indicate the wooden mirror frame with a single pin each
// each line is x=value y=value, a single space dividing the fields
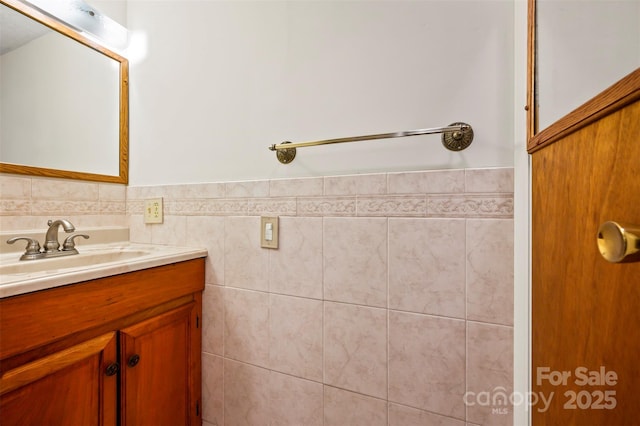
x=123 y=175
x=532 y=106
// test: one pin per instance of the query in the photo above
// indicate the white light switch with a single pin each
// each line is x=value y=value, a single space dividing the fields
x=269 y=232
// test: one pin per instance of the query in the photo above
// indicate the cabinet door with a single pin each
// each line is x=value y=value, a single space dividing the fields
x=70 y=387
x=159 y=358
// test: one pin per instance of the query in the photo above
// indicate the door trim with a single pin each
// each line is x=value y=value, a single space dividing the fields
x=621 y=94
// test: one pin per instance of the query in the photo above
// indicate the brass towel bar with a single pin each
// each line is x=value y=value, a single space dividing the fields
x=455 y=137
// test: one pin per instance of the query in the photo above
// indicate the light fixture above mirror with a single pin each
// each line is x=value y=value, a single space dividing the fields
x=85 y=18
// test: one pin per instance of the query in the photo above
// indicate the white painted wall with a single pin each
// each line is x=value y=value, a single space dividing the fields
x=219 y=81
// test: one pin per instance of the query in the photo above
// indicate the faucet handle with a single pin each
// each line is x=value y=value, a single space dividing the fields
x=70 y=244
x=33 y=247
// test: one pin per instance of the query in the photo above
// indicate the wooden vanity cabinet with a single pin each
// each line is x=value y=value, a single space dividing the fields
x=64 y=388
x=155 y=360
x=116 y=350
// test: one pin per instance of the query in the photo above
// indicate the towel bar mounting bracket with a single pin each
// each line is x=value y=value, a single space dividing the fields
x=458 y=140
x=286 y=155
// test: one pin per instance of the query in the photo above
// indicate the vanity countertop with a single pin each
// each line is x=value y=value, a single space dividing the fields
x=93 y=262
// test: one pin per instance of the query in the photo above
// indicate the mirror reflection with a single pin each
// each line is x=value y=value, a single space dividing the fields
x=60 y=103
x=582 y=49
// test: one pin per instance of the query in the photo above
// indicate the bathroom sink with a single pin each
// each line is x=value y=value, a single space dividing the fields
x=93 y=262
x=84 y=259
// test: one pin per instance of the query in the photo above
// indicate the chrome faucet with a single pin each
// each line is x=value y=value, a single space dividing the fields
x=51 y=243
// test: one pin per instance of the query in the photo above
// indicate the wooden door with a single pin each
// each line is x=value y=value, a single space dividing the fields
x=69 y=387
x=159 y=384
x=585 y=310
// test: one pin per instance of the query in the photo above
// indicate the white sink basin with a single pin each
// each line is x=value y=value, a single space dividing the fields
x=93 y=262
x=84 y=259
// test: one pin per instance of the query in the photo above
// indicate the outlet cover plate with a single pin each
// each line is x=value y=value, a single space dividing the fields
x=153 y=210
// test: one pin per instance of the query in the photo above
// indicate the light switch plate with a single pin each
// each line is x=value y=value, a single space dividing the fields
x=153 y=210
x=269 y=232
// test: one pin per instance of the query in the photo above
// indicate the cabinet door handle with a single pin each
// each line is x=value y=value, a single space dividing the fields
x=619 y=242
x=133 y=360
x=112 y=369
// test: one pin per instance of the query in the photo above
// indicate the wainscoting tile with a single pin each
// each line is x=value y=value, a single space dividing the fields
x=427 y=266
x=470 y=205
x=44 y=207
x=358 y=317
x=271 y=207
x=247 y=189
x=342 y=408
x=246 y=326
x=427 y=363
x=112 y=207
x=213 y=389
x=245 y=262
x=294 y=401
x=499 y=179
x=247 y=394
x=327 y=206
x=15 y=188
x=296 y=267
x=490 y=370
x=400 y=415
x=226 y=207
x=213 y=320
x=355 y=184
x=9 y=222
x=426 y=182
x=173 y=231
x=296 y=187
x=143 y=192
x=14 y=207
x=135 y=207
x=208 y=232
x=389 y=205
x=139 y=232
x=112 y=192
x=355 y=260
x=195 y=191
x=490 y=270
x=185 y=207
x=355 y=348
x=296 y=336
x=67 y=190
x=115 y=219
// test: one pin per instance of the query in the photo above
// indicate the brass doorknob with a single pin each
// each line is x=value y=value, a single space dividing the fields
x=619 y=242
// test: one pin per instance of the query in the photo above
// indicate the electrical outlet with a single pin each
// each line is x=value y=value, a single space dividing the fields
x=269 y=232
x=153 y=210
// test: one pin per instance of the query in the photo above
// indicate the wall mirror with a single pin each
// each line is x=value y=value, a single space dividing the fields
x=577 y=49
x=63 y=100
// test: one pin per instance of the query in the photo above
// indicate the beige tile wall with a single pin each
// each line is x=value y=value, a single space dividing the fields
x=27 y=203
x=390 y=297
